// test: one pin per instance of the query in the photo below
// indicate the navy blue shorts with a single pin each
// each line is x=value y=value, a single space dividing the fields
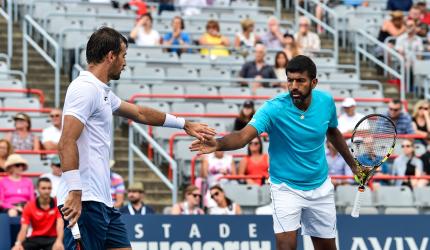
x=101 y=228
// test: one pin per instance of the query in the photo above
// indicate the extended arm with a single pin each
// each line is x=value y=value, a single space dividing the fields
x=21 y=237
x=336 y=138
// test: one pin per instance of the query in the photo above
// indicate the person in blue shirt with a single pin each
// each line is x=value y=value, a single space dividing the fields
x=403 y=5
x=177 y=37
x=297 y=123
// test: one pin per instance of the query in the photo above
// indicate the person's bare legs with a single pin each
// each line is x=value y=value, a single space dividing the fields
x=324 y=244
x=286 y=241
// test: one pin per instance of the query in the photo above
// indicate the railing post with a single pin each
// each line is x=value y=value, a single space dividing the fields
x=24 y=47
x=278 y=9
x=130 y=154
x=9 y=30
x=57 y=77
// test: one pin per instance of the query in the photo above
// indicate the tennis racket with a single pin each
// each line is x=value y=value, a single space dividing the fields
x=372 y=142
x=77 y=236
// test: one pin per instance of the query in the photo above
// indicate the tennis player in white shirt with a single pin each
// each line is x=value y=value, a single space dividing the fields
x=84 y=192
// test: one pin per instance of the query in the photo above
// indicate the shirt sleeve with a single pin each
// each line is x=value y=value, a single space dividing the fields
x=186 y=37
x=26 y=214
x=261 y=120
x=333 y=116
x=80 y=101
x=243 y=71
x=115 y=101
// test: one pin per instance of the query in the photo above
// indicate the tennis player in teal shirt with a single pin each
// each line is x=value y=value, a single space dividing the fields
x=297 y=122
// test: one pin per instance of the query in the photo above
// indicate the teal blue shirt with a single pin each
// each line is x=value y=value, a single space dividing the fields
x=296 y=150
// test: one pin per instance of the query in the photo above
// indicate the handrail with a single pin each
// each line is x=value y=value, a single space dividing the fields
x=333 y=30
x=37 y=92
x=30 y=24
x=360 y=48
x=8 y=17
x=35 y=130
x=29 y=110
x=30 y=175
x=172 y=185
x=36 y=152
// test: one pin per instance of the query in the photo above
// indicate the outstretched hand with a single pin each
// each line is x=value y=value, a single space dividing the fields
x=199 y=130
x=204 y=146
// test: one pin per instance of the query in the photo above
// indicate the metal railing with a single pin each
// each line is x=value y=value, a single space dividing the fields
x=333 y=30
x=364 y=41
x=30 y=24
x=134 y=131
x=8 y=17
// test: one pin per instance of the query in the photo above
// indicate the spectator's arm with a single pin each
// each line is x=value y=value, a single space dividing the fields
x=225 y=41
x=134 y=32
x=21 y=237
x=242 y=166
x=238 y=209
x=205 y=168
x=419 y=132
x=50 y=145
x=176 y=209
x=36 y=143
x=236 y=42
x=58 y=244
x=202 y=41
x=233 y=168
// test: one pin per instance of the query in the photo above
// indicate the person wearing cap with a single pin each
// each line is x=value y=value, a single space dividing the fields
x=55 y=175
x=51 y=135
x=349 y=118
x=393 y=27
x=245 y=115
x=15 y=190
x=44 y=219
x=135 y=196
x=117 y=187
x=22 y=138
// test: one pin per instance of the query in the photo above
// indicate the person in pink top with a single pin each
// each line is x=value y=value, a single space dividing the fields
x=15 y=191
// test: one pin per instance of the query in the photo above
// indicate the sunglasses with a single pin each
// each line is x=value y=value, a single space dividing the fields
x=54 y=115
x=19 y=165
x=425 y=108
x=214 y=195
x=393 y=109
x=254 y=143
x=303 y=25
x=406 y=146
x=196 y=195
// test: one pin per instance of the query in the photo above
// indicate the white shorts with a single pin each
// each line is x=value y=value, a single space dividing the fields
x=313 y=210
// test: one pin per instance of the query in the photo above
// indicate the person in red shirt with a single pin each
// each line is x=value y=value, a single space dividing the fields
x=255 y=163
x=44 y=218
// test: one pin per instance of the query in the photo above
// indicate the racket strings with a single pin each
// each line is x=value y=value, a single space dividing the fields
x=373 y=140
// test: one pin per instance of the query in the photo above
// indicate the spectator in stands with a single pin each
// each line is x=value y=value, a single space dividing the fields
x=224 y=206
x=135 y=195
x=245 y=115
x=6 y=149
x=421 y=120
x=402 y=5
x=415 y=14
x=22 y=138
x=166 y=5
x=291 y=49
x=425 y=15
x=139 y=6
x=281 y=61
x=15 y=190
x=215 y=165
x=407 y=164
x=246 y=39
x=177 y=37
x=401 y=119
x=393 y=27
x=255 y=163
x=55 y=175
x=273 y=39
x=51 y=135
x=349 y=118
x=337 y=165
x=356 y=3
x=425 y=158
x=306 y=39
x=212 y=38
x=191 y=203
x=143 y=34
x=117 y=187
x=44 y=218
x=191 y=7
x=257 y=69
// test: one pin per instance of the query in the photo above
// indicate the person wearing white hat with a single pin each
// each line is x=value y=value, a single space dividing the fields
x=55 y=175
x=15 y=190
x=349 y=117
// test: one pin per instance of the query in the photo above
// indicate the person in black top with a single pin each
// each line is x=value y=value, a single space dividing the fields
x=421 y=120
x=245 y=115
x=135 y=195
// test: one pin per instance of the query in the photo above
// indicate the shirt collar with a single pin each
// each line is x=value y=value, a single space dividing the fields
x=94 y=79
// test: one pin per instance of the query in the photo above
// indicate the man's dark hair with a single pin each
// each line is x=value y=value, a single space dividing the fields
x=42 y=179
x=148 y=15
x=396 y=101
x=300 y=64
x=102 y=42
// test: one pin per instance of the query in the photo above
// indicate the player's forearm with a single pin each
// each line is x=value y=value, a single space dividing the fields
x=232 y=141
x=150 y=116
x=68 y=151
x=336 y=138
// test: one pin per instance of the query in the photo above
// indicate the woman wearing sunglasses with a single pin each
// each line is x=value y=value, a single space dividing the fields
x=224 y=206
x=15 y=191
x=191 y=203
x=421 y=119
x=255 y=163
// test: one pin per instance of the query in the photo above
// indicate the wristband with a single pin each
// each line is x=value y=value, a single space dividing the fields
x=73 y=179
x=172 y=121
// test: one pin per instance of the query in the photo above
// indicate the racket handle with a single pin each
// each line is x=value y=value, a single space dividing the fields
x=75 y=232
x=357 y=203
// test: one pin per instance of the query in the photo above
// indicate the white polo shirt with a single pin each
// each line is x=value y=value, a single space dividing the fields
x=92 y=102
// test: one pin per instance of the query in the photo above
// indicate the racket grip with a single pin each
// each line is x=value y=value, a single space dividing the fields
x=357 y=203
x=75 y=232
